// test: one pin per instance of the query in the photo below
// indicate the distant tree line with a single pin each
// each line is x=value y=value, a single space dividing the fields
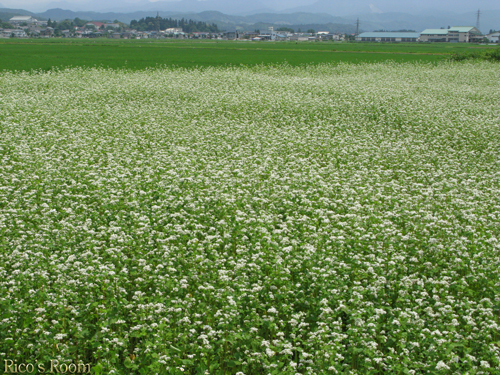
x=158 y=23
x=70 y=24
x=289 y=29
x=66 y=24
x=5 y=25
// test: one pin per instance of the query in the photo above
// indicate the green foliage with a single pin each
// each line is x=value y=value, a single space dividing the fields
x=65 y=24
x=492 y=54
x=289 y=29
x=258 y=220
x=5 y=25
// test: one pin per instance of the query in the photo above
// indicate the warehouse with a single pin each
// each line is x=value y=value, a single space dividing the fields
x=385 y=36
x=18 y=20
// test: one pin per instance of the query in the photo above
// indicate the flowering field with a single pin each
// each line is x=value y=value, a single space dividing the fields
x=266 y=220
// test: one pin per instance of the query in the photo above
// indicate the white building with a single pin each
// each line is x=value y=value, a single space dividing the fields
x=18 y=20
x=16 y=33
x=457 y=34
x=493 y=37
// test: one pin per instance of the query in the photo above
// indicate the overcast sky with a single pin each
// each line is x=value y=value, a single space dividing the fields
x=341 y=7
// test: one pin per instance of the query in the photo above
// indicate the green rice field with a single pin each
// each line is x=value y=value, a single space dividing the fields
x=44 y=54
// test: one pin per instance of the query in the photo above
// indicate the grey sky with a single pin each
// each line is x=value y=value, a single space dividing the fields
x=334 y=7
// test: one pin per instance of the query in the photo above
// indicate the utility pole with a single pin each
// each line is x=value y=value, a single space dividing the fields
x=477 y=22
x=357 y=27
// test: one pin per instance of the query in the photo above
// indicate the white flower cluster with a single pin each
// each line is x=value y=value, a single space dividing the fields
x=333 y=217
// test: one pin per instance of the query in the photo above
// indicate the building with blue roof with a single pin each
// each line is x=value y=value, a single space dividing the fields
x=457 y=34
x=386 y=36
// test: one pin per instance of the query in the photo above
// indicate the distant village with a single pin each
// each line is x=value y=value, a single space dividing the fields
x=29 y=27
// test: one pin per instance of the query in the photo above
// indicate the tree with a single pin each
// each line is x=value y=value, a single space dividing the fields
x=64 y=25
x=311 y=31
x=5 y=25
x=289 y=29
x=79 y=22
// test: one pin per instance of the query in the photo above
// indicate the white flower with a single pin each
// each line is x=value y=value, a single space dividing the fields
x=442 y=366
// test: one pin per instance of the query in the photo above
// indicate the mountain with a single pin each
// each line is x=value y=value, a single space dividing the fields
x=369 y=19
x=418 y=22
x=343 y=8
x=226 y=6
x=339 y=8
x=6 y=13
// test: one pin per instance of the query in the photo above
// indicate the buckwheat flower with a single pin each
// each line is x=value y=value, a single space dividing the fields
x=272 y=310
x=270 y=352
x=485 y=364
x=442 y=366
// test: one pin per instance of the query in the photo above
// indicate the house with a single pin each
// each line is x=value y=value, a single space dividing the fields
x=47 y=32
x=200 y=35
x=493 y=37
x=112 y=25
x=250 y=34
x=14 y=33
x=386 y=36
x=231 y=35
x=94 y=24
x=141 y=34
x=456 y=34
x=173 y=30
x=324 y=35
x=96 y=34
x=300 y=37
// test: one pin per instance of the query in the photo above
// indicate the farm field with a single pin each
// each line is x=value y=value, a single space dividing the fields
x=332 y=218
x=142 y=54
